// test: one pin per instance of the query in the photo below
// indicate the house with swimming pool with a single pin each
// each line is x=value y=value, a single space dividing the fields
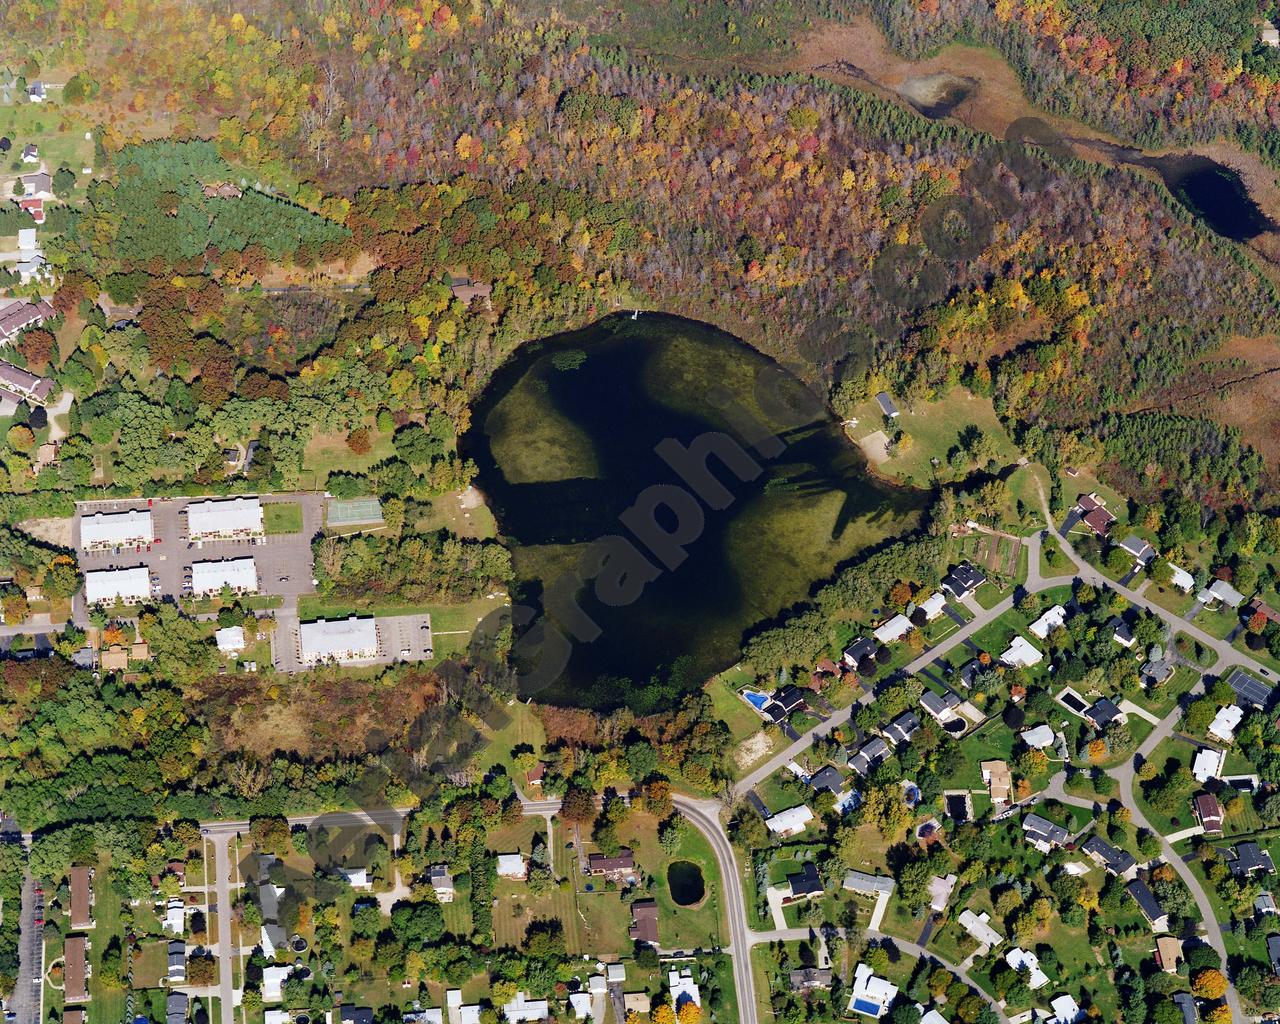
x=870 y=996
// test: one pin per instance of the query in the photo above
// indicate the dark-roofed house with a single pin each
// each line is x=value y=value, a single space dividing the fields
x=177 y=962
x=1186 y=1002
x=34 y=389
x=1114 y=860
x=1148 y=905
x=790 y=698
x=962 y=581
x=644 y=922
x=81 y=885
x=1102 y=713
x=612 y=867
x=902 y=728
x=886 y=405
x=1247 y=858
x=175 y=1007
x=350 y=1014
x=826 y=778
x=1093 y=513
x=466 y=290
x=808 y=978
x=804 y=883
x=858 y=651
x=1208 y=812
x=1273 y=952
x=1120 y=632
x=1042 y=833
x=1250 y=690
x=75 y=970
x=868 y=756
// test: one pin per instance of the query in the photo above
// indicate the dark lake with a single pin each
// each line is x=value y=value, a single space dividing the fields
x=565 y=440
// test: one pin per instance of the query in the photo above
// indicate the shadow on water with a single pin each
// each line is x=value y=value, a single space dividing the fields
x=565 y=440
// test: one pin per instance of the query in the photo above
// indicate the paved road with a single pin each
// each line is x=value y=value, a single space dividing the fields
x=28 y=992
x=221 y=840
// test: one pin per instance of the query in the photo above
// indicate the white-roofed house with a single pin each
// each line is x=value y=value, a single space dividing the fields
x=1049 y=621
x=458 y=1013
x=683 y=988
x=276 y=1016
x=522 y=1009
x=893 y=629
x=1039 y=736
x=1223 y=726
x=233 y=518
x=340 y=640
x=273 y=979
x=512 y=865
x=1018 y=958
x=240 y=574
x=1182 y=579
x=1021 y=654
x=790 y=822
x=357 y=878
x=870 y=995
x=580 y=1004
x=230 y=639
x=1065 y=1009
x=933 y=1017
x=104 y=586
x=1208 y=764
x=116 y=529
x=979 y=926
x=933 y=606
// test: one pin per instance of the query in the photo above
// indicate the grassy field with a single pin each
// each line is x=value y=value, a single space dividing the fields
x=1168 y=754
x=1023 y=488
x=57 y=130
x=522 y=727
x=678 y=927
x=328 y=453
x=282 y=517
x=1052 y=561
x=1218 y=622
x=934 y=429
x=449 y=512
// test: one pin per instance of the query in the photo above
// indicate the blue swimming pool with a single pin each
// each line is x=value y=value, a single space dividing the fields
x=866 y=1006
x=756 y=700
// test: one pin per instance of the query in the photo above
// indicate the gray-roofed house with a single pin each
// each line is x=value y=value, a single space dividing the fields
x=178 y=962
x=859 y=651
x=1273 y=952
x=175 y=1007
x=808 y=978
x=1142 y=552
x=962 y=581
x=1103 y=713
x=942 y=707
x=1186 y=1002
x=886 y=405
x=867 y=884
x=902 y=728
x=1113 y=859
x=1042 y=833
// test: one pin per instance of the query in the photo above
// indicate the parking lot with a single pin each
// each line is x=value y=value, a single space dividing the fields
x=283 y=560
x=400 y=638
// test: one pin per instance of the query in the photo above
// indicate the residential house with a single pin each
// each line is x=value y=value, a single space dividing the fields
x=1043 y=834
x=962 y=581
x=933 y=606
x=1208 y=813
x=826 y=779
x=1143 y=553
x=1223 y=726
x=17 y=315
x=886 y=405
x=24 y=385
x=870 y=754
x=870 y=996
x=1053 y=619
x=1186 y=1003
x=804 y=884
x=1221 y=590
x=357 y=878
x=522 y=1010
x=902 y=728
x=998 y=780
x=441 y=882
x=1208 y=764
x=892 y=630
x=858 y=651
x=230 y=639
x=30 y=153
x=1111 y=858
x=1102 y=713
x=458 y=1013
x=1182 y=579
x=1021 y=959
x=979 y=926
x=349 y=1014
x=807 y=979
x=790 y=822
x=682 y=988
x=868 y=885
x=1247 y=858
x=1265 y=904
x=81 y=910
x=613 y=868
x=1273 y=952
x=1121 y=633
x=644 y=922
x=1148 y=905
x=273 y=979
x=941 y=707
x=36 y=92
x=1020 y=654
x=1038 y=737
x=580 y=1004
x=465 y=290
x=940 y=889
x=177 y=972
x=176 y=1005
x=513 y=866
x=1168 y=953
x=175 y=917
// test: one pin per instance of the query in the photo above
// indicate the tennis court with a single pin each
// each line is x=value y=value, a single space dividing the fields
x=353 y=511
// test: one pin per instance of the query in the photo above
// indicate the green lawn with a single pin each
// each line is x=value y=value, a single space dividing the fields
x=1194 y=651
x=523 y=727
x=1218 y=622
x=1022 y=487
x=328 y=453
x=282 y=517
x=934 y=429
x=1169 y=752
x=991 y=741
x=1165 y=697
x=57 y=130
x=678 y=927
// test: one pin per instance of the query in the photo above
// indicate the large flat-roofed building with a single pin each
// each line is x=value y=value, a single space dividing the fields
x=116 y=529
x=240 y=574
x=131 y=586
x=232 y=519
x=339 y=640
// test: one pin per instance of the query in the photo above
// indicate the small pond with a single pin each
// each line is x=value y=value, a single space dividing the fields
x=687 y=886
